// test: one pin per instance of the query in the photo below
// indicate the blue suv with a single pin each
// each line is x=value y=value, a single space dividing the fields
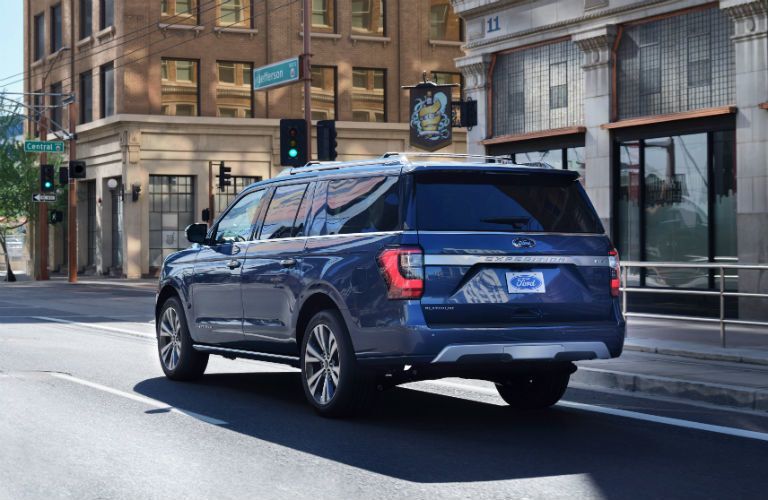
x=366 y=275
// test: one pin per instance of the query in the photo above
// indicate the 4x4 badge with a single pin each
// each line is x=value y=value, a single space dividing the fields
x=523 y=243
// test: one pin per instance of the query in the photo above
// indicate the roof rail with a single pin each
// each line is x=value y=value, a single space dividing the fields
x=538 y=164
x=315 y=166
x=405 y=155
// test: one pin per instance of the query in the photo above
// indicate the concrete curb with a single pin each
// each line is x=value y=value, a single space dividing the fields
x=709 y=354
x=717 y=394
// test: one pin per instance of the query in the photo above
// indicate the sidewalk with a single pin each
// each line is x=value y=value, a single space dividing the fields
x=684 y=360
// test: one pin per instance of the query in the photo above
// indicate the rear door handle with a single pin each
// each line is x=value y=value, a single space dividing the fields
x=233 y=264
x=288 y=262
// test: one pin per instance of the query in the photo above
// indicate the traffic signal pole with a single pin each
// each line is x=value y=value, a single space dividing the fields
x=308 y=74
x=72 y=191
x=42 y=209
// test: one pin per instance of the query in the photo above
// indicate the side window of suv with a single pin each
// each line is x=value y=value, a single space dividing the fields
x=237 y=224
x=363 y=205
x=281 y=214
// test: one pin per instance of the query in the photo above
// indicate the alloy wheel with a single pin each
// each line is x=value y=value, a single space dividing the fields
x=321 y=364
x=169 y=338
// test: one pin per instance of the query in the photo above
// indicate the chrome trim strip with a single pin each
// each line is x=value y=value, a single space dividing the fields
x=537 y=350
x=471 y=260
x=242 y=351
x=338 y=236
x=511 y=233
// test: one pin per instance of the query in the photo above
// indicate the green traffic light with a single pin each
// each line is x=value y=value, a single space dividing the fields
x=293 y=152
x=48 y=184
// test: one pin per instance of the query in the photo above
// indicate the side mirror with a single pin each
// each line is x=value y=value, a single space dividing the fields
x=196 y=233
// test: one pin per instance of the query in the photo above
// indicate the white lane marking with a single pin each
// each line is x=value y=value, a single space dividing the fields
x=141 y=399
x=676 y=422
x=96 y=326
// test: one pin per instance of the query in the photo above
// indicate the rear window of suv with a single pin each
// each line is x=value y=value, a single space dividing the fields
x=484 y=201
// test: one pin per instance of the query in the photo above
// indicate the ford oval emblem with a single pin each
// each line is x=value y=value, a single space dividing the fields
x=526 y=282
x=523 y=243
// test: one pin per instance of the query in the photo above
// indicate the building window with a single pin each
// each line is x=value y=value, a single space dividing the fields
x=323 y=15
x=676 y=64
x=224 y=197
x=676 y=202
x=368 y=17
x=107 y=83
x=368 y=95
x=182 y=11
x=39 y=36
x=86 y=97
x=234 y=92
x=106 y=13
x=236 y=13
x=537 y=89
x=171 y=210
x=444 y=24
x=56 y=107
x=323 y=93
x=56 y=28
x=86 y=18
x=179 y=89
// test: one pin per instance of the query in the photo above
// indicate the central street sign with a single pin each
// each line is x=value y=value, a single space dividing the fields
x=41 y=197
x=43 y=147
x=276 y=74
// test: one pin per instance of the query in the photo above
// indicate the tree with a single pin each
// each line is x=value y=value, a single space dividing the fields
x=18 y=182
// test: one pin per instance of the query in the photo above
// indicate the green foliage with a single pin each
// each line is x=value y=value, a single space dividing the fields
x=19 y=179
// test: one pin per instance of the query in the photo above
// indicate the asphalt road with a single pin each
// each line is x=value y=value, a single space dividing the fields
x=86 y=413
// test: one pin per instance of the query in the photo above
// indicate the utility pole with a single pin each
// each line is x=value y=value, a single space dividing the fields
x=308 y=74
x=72 y=191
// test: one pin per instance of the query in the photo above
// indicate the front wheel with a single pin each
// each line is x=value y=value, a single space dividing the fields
x=531 y=392
x=333 y=383
x=180 y=361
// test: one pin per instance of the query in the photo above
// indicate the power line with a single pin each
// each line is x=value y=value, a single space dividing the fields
x=148 y=26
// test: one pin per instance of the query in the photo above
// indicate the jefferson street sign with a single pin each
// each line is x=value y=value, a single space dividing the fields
x=40 y=197
x=276 y=74
x=43 y=147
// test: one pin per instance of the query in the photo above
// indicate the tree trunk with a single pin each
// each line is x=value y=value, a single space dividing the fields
x=9 y=276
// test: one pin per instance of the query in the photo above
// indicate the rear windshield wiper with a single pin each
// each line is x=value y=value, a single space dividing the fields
x=517 y=222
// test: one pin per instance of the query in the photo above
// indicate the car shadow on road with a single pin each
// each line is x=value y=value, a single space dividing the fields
x=430 y=438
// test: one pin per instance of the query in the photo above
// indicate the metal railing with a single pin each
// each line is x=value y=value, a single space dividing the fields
x=721 y=292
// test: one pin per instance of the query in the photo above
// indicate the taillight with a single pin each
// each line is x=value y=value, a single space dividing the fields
x=613 y=262
x=403 y=270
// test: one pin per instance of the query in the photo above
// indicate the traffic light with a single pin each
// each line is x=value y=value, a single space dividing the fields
x=63 y=176
x=55 y=216
x=293 y=142
x=225 y=178
x=326 y=140
x=46 y=179
x=77 y=169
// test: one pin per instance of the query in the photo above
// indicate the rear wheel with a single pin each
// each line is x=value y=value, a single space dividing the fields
x=531 y=392
x=333 y=383
x=180 y=361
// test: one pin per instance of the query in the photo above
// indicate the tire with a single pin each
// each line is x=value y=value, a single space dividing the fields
x=533 y=392
x=179 y=360
x=333 y=382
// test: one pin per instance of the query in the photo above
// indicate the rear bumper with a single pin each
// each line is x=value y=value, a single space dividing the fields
x=412 y=342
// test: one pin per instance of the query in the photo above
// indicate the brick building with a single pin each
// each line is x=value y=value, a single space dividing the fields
x=164 y=86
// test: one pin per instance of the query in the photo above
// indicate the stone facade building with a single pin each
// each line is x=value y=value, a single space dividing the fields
x=164 y=86
x=661 y=105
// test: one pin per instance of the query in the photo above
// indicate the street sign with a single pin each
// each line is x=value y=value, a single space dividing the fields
x=42 y=198
x=276 y=74
x=43 y=147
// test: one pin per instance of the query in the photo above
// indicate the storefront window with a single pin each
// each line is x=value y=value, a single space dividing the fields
x=677 y=203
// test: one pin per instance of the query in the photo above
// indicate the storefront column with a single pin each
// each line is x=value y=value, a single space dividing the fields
x=596 y=47
x=475 y=71
x=750 y=41
x=135 y=213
